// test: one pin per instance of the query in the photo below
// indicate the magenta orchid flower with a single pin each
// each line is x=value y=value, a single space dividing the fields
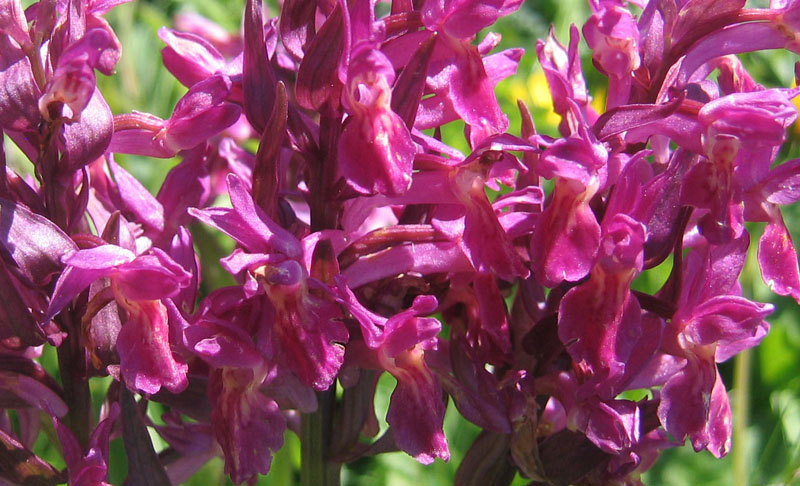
x=385 y=167
x=398 y=345
x=712 y=323
x=304 y=334
x=89 y=468
x=204 y=105
x=511 y=274
x=139 y=285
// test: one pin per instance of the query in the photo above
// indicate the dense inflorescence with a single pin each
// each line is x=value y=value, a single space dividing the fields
x=364 y=244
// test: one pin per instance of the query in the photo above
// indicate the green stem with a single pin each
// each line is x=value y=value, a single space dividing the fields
x=741 y=391
x=315 y=435
x=72 y=367
x=316 y=428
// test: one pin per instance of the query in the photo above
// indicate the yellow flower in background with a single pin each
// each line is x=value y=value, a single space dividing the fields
x=796 y=103
x=539 y=93
x=598 y=100
x=535 y=92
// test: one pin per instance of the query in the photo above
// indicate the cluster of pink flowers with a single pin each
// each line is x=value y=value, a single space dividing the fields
x=355 y=225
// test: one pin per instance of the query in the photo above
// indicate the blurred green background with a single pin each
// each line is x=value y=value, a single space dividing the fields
x=764 y=384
